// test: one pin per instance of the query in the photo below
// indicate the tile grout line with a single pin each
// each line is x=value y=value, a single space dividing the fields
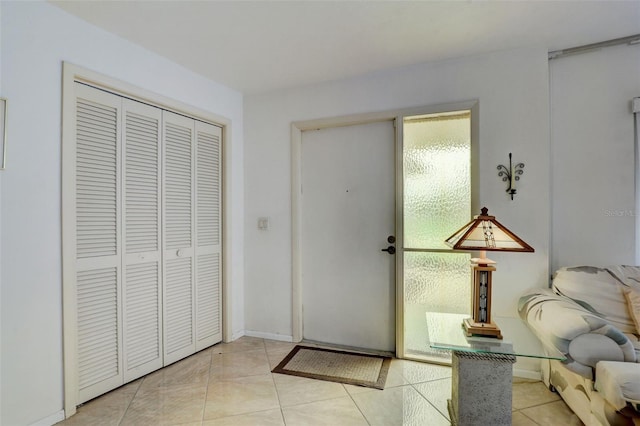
x=418 y=380
x=356 y=404
x=541 y=405
x=518 y=411
x=429 y=401
x=266 y=353
x=538 y=405
x=206 y=392
x=132 y=398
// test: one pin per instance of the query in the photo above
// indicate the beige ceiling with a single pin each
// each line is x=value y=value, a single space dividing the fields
x=257 y=46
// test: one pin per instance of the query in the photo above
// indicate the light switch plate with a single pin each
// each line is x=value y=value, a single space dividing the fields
x=263 y=223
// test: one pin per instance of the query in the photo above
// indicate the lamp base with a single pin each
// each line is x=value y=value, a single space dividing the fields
x=472 y=328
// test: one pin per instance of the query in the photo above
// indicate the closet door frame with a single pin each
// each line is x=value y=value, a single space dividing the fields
x=72 y=74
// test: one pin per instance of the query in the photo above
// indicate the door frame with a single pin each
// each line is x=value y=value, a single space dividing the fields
x=396 y=116
x=70 y=75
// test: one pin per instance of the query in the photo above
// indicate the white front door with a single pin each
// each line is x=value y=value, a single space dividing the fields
x=347 y=216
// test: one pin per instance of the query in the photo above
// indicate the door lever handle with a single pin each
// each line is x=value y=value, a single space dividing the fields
x=390 y=250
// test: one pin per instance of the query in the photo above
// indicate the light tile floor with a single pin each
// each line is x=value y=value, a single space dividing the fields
x=232 y=384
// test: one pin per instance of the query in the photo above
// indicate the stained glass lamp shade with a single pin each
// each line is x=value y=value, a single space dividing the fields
x=484 y=233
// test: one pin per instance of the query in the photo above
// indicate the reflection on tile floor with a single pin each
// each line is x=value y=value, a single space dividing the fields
x=231 y=384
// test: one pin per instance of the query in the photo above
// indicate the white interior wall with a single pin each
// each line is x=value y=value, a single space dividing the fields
x=592 y=140
x=512 y=89
x=36 y=37
x=1 y=96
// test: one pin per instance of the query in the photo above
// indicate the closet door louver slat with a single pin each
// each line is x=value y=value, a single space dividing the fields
x=178 y=310
x=208 y=307
x=142 y=178
x=208 y=225
x=142 y=294
x=142 y=332
x=97 y=241
x=98 y=326
x=178 y=231
x=96 y=210
x=142 y=256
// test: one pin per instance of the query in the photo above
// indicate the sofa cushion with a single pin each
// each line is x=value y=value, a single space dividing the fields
x=599 y=290
x=633 y=304
x=582 y=336
x=635 y=341
x=590 y=348
x=619 y=383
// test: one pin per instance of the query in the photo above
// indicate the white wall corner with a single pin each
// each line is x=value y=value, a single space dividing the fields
x=236 y=335
x=31 y=71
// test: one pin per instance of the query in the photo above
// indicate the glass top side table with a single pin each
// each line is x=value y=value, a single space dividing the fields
x=482 y=367
x=445 y=333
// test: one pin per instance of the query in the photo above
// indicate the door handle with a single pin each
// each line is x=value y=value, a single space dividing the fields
x=390 y=250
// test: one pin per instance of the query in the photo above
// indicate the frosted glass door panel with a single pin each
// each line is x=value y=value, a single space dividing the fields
x=437 y=202
x=437 y=178
x=433 y=282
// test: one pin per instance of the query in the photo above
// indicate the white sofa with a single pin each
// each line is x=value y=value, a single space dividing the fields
x=589 y=315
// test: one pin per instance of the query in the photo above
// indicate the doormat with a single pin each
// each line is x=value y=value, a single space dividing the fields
x=336 y=366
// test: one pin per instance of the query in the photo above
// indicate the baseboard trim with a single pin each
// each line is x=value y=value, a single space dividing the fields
x=236 y=335
x=50 y=420
x=270 y=336
x=527 y=374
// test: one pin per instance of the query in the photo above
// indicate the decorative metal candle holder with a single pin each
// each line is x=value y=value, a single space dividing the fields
x=511 y=175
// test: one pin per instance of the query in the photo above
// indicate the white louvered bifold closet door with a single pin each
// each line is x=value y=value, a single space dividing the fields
x=208 y=233
x=142 y=230
x=178 y=236
x=98 y=244
x=142 y=292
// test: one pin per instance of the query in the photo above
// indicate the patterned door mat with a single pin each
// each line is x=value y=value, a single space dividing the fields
x=336 y=366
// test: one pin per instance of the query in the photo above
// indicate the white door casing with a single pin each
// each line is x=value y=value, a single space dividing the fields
x=347 y=214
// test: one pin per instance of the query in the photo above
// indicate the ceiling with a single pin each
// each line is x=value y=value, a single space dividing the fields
x=258 y=46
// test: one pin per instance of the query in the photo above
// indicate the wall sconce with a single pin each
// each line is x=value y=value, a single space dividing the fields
x=511 y=175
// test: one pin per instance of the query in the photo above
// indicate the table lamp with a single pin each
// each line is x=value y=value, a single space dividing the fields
x=484 y=233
